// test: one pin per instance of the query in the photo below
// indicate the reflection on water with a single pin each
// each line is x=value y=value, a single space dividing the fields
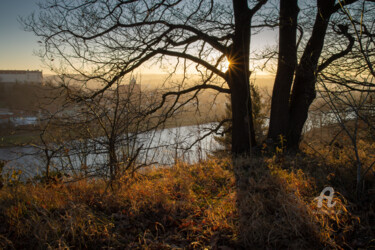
x=159 y=147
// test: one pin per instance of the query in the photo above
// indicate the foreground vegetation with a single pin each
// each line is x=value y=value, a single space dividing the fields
x=195 y=206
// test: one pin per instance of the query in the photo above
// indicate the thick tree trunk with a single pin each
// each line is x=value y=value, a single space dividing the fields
x=243 y=134
x=285 y=71
x=238 y=74
x=303 y=92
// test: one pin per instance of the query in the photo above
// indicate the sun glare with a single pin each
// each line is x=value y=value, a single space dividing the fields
x=226 y=64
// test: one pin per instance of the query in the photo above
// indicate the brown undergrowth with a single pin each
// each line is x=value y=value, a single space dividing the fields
x=278 y=208
x=267 y=203
x=179 y=207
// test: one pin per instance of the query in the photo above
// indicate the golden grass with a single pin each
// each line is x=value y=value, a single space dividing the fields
x=257 y=204
x=278 y=209
x=184 y=206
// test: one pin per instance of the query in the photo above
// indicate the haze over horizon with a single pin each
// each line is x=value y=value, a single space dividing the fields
x=18 y=48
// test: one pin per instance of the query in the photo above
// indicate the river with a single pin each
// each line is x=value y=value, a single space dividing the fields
x=160 y=147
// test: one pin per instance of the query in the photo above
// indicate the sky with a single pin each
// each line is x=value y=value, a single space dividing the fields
x=18 y=48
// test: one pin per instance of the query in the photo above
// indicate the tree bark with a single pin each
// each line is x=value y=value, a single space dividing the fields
x=285 y=71
x=238 y=74
x=303 y=92
x=113 y=162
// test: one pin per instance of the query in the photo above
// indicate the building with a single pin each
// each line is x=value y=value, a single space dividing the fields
x=130 y=89
x=21 y=76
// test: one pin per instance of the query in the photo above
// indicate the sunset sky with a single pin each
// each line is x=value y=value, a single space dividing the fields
x=18 y=48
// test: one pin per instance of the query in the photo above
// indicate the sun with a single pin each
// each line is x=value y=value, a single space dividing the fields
x=226 y=64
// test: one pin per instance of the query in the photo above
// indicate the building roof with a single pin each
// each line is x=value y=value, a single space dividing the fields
x=19 y=71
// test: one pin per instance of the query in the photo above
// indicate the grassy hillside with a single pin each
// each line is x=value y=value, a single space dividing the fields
x=192 y=206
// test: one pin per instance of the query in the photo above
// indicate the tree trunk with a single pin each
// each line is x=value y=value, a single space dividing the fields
x=238 y=74
x=285 y=71
x=243 y=134
x=113 y=162
x=303 y=92
x=48 y=164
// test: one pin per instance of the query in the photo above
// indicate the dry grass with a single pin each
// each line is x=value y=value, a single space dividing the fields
x=278 y=208
x=184 y=206
x=267 y=203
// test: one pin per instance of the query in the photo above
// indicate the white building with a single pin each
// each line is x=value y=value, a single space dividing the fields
x=21 y=76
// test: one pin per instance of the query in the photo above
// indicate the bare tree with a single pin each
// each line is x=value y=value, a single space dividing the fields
x=101 y=133
x=105 y=40
x=294 y=89
x=350 y=110
x=348 y=85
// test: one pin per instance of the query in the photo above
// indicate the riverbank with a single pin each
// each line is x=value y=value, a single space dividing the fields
x=27 y=135
x=160 y=147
